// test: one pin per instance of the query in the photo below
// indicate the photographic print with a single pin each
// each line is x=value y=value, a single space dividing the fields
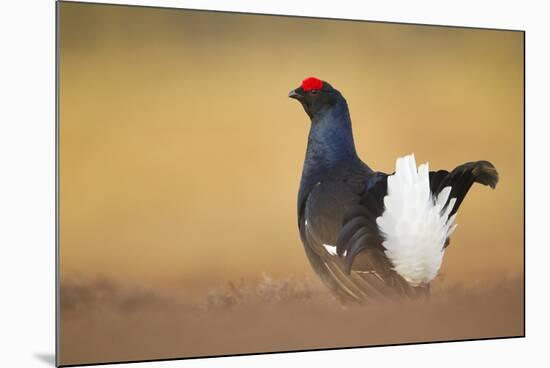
x=233 y=183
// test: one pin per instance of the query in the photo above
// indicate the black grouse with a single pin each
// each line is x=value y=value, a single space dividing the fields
x=369 y=234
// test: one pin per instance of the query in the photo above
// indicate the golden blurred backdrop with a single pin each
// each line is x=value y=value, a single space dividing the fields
x=181 y=154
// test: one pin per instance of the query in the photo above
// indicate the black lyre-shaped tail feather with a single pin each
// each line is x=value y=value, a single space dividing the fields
x=462 y=178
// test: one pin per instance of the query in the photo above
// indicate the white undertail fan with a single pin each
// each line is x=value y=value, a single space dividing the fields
x=415 y=223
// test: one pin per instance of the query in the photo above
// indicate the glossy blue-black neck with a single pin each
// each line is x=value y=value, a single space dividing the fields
x=330 y=141
x=330 y=147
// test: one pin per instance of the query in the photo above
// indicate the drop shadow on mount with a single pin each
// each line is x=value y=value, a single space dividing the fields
x=47 y=358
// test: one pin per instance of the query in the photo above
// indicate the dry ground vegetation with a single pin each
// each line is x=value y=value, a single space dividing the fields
x=102 y=321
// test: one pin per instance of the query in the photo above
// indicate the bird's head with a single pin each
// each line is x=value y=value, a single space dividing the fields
x=316 y=96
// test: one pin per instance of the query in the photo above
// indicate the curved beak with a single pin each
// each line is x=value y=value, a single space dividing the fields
x=294 y=94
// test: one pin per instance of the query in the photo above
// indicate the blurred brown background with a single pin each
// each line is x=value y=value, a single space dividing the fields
x=181 y=154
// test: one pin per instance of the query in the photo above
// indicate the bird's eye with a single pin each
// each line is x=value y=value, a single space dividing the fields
x=314 y=91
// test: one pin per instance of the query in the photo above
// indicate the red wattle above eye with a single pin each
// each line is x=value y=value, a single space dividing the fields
x=312 y=83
